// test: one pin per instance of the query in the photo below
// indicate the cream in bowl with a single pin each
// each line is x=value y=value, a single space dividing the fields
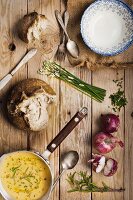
x=107 y=27
x=24 y=176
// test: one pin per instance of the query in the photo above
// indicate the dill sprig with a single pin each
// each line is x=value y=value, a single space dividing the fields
x=53 y=69
x=81 y=182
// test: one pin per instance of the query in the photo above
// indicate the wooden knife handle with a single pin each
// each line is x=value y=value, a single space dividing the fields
x=67 y=129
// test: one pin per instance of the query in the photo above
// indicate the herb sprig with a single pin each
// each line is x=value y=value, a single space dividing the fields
x=118 y=99
x=27 y=176
x=52 y=68
x=81 y=182
x=14 y=170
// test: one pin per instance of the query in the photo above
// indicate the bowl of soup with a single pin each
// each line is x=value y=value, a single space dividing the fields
x=24 y=176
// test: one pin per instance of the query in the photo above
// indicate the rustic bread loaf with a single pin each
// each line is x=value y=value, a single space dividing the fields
x=27 y=104
x=31 y=27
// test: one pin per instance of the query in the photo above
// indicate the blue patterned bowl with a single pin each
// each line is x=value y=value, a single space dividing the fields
x=107 y=27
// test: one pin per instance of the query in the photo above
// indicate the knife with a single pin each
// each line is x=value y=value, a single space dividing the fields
x=24 y=60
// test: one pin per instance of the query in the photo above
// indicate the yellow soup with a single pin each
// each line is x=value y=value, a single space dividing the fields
x=25 y=176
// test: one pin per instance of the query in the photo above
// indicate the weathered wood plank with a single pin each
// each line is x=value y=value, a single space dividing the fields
x=11 y=139
x=104 y=79
x=128 y=163
x=80 y=138
x=39 y=141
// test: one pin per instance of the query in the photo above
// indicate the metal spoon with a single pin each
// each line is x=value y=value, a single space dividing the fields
x=69 y=161
x=61 y=51
x=72 y=47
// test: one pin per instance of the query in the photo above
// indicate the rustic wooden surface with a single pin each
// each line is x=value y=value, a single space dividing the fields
x=68 y=102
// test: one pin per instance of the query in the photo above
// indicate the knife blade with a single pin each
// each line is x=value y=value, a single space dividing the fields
x=24 y=60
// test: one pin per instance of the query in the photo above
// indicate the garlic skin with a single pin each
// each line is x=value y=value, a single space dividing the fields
x=34 y=109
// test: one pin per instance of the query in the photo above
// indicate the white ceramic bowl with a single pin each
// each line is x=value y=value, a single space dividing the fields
x=107 y=27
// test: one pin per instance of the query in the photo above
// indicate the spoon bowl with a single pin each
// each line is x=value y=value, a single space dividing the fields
x=69 y=160
x=72 y=48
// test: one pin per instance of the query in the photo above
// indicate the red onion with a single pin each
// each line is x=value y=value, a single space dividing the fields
x=105 y=142
x=110 y=167
x=110 y=123
x=98 y=162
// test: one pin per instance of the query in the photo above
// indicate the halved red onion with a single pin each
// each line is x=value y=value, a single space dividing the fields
x=98 y=162
x=110 y=167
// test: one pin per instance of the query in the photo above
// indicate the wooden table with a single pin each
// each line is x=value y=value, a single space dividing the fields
x=68 y=102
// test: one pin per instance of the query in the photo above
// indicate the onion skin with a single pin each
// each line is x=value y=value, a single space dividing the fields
x=110 y=123
x=105 y=142
x=111 y=167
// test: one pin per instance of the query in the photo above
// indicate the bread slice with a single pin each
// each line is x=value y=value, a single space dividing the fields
x=27 y=104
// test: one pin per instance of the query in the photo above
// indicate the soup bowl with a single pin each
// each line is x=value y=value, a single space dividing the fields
x=107 y=27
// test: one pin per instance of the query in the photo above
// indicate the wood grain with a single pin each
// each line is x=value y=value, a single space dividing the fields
x=11 y=139
x=40 y=141
x=80 y=138
x=115 y=181
x=128 y=163
x=68 y=100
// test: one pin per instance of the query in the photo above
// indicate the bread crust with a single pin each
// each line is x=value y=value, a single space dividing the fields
x=28 y=86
